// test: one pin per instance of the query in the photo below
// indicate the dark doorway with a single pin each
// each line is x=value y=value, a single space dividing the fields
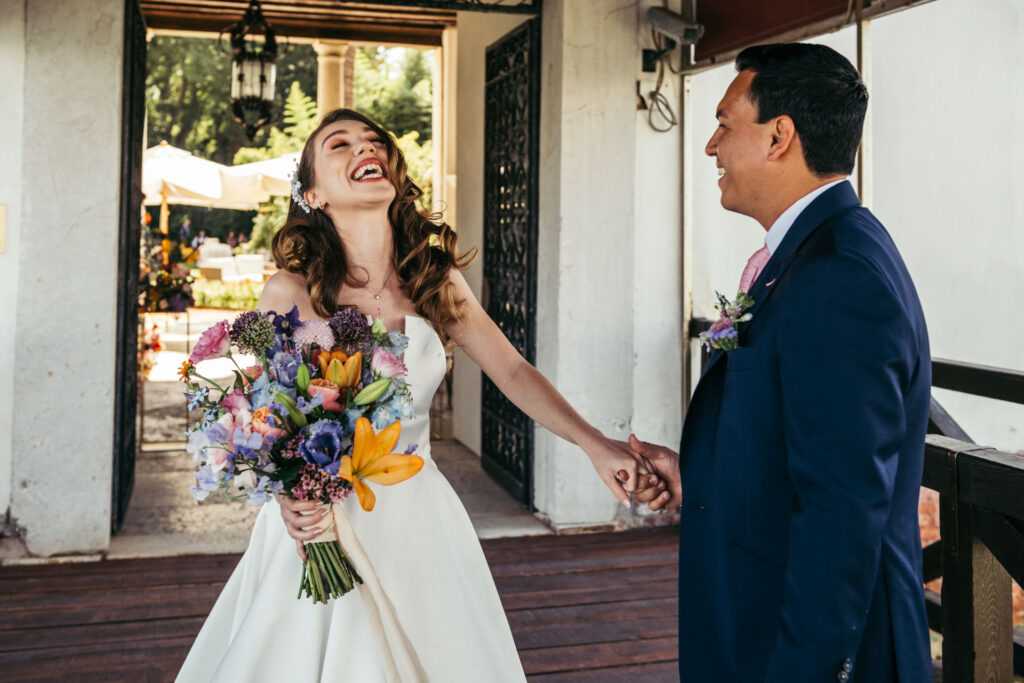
x=511 y=152
x=133 y=117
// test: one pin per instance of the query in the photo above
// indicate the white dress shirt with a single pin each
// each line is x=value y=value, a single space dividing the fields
x=784 y=222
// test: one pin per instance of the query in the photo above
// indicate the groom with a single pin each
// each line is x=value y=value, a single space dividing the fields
x=800 y=462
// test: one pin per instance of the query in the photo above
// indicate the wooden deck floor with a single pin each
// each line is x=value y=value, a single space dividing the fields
x=598 y=608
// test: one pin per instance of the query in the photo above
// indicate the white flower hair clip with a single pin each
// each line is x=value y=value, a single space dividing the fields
x=297 y=191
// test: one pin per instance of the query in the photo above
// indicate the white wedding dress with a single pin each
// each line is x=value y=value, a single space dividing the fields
x=425 y=552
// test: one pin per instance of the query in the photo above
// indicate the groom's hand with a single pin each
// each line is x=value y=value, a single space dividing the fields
x=665 y=463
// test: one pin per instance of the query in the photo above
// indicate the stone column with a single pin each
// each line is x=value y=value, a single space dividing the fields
x=65 y=328
x=335 y=69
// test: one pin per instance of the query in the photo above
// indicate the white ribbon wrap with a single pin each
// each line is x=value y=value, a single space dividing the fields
x=401 y=664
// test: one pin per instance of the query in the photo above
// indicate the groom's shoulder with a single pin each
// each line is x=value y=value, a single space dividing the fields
x=851 y=234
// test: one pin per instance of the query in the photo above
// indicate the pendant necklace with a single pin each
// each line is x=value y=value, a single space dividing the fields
x=381 y=290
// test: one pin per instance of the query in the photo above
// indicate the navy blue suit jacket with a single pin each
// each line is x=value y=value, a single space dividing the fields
x=801 y=458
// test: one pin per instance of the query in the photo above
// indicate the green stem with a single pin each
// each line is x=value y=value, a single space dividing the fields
x=207 y=379
x=318 y=586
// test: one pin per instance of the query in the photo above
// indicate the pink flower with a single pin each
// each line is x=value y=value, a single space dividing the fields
x=386 y=364
x=236 y=401
x=329 y=390
x=722 y=324
x=314 y=333
x=214 y=343
x=261 y=425
x=253 y=372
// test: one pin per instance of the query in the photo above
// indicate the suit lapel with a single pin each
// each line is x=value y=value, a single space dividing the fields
x=828 y=204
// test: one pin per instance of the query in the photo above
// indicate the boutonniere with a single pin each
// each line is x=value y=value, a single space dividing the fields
x=724 y=334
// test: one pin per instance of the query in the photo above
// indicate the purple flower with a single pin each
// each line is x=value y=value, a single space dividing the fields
x=288 y=323
x=351 y=331
x=206 y=480
x=252 y=332
x=305 y=407
x=285 y=367
x=324 y=444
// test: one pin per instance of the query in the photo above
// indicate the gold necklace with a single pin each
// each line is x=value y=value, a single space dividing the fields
x=381 y=290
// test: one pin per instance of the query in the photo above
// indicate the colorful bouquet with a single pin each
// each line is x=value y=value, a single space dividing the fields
x=724 y=333
x=316 y=418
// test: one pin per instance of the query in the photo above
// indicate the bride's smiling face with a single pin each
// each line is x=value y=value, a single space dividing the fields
x=351 y=168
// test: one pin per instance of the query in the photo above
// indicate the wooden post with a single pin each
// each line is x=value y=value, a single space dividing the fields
x=977 y=628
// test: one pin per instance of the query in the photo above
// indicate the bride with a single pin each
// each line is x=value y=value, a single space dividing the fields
x=355 y=239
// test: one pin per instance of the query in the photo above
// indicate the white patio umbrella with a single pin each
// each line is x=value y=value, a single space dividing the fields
x=262 y=179
x=174 y=176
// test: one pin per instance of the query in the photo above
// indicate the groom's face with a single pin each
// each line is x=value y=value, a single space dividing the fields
x=740 y=146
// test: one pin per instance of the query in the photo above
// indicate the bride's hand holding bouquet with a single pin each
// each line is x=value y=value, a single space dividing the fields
x=300 y=425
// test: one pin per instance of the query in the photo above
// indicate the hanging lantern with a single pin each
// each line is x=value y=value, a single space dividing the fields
x=252 y=70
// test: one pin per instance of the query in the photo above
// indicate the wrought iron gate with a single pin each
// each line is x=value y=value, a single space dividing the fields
x=511 y=154
x=133 y=118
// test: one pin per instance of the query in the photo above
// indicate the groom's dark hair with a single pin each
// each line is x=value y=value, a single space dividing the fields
x=820 y=90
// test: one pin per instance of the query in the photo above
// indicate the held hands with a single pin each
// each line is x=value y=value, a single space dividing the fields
x=619 y=469
x=664 y=491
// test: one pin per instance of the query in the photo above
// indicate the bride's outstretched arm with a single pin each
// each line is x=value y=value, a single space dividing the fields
x=477 y=335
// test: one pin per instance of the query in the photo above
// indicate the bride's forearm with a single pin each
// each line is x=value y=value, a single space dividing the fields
x=533 y=394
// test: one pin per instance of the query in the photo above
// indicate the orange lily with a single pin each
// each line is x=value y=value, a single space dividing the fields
x=343 y=371
x=324 y=358
x=372 y=460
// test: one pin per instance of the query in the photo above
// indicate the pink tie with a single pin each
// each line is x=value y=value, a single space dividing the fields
x=754 y=267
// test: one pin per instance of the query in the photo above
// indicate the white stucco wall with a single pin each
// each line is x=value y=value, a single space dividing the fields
x=12 y=76
x=476 y=30
x=948 y=184
x=609 y=220
x=947 y=179
x=66 y=287
x=608 y=314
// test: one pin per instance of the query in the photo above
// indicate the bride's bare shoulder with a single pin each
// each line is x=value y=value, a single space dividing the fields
x=284 y=290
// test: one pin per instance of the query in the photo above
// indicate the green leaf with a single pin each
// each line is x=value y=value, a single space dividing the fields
x=293 y=409
x=372 y=392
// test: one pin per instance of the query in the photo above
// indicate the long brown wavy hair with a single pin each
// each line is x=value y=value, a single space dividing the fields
x=424 y=251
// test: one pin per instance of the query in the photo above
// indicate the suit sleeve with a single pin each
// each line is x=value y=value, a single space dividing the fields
x=844 y=366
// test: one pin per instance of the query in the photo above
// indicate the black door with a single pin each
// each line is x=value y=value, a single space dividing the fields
x=511 y=148
x=133 y=118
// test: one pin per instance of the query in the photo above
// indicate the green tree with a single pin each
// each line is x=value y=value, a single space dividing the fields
x=393 y=86
x=188 y=87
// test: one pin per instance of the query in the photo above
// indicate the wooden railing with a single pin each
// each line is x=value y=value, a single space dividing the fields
x=981 y=523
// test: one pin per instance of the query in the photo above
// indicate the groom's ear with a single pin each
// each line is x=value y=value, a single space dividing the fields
x=783 y=137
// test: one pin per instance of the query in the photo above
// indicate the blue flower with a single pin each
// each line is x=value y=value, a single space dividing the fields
x=252 y=442
x=398 y=342
x=195 y=400
x=324 y=444
x=264 y=392
x=305 y=407
x=285 y=367
x=206 y=480
x=262 y=492
x=384 y=415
